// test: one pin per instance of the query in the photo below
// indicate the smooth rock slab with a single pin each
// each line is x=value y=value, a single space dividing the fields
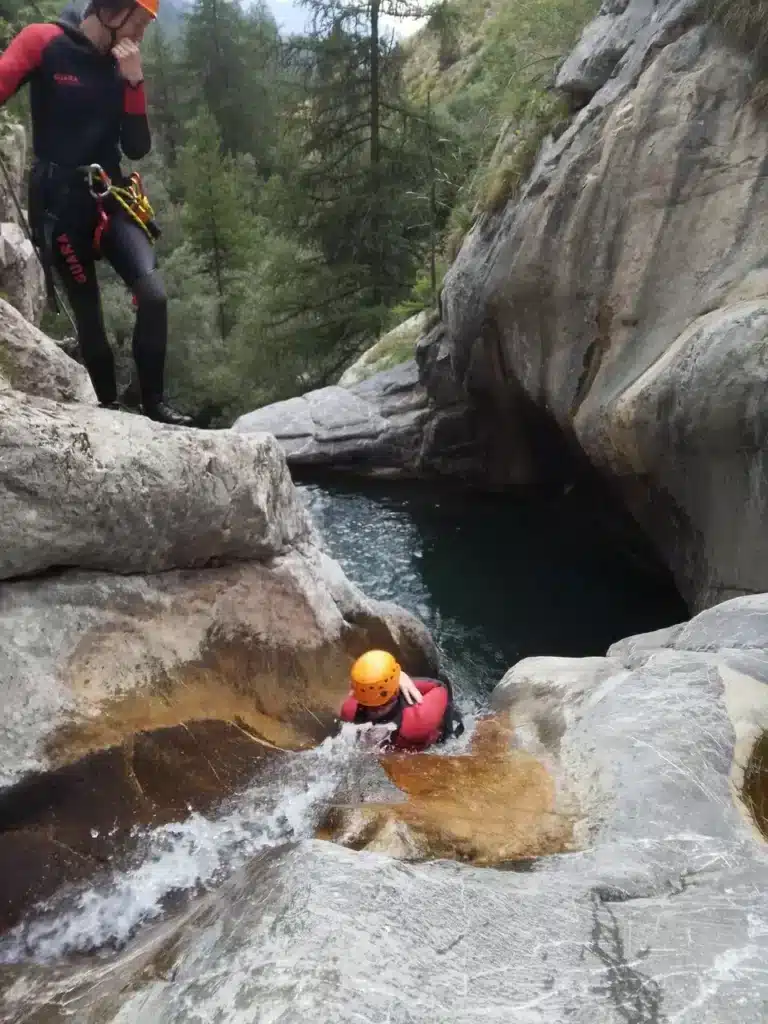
x=96 y=489
x=375 y=424
x=616 y=43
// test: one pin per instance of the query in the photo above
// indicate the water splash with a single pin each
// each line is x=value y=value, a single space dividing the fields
x=188 y=856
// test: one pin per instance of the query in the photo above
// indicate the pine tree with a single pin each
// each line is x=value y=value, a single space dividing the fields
x=354 y=200
x=215 y=218
x=232 y=54
x=164 y=70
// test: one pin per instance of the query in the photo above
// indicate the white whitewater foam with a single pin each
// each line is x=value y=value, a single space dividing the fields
x=200 y=852
x=187 y=855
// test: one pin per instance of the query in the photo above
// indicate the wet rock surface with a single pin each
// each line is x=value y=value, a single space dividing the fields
x=60 y=827
x=133 y=701
x=660 y=917
x=489 y=805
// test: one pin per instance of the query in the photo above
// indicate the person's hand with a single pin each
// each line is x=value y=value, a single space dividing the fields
x=409 y=690
x=128 y=57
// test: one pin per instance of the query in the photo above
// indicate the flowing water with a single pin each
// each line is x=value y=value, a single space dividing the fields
x=244 y=917
x=496 y=579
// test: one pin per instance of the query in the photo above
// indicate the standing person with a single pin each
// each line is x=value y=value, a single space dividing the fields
x=88 y=106
x=421 y=711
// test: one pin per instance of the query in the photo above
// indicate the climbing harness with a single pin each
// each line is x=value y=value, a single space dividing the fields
x=131 y=198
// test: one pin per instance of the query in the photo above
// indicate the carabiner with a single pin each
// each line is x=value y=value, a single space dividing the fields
x=97 y=171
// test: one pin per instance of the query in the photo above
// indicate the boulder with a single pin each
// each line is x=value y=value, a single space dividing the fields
x=21 y=276
x=647 y=356
x=134 y=700
x=13 y=149
x=376 y=424
x=31 y=362
x=661 y=916
x=91 y=488
x=383 y=425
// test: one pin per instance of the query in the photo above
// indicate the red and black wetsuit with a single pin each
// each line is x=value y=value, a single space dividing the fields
x=83 y=112
x=418 y=725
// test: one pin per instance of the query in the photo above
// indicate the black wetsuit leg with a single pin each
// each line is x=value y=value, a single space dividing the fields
x=72 y=255
x=126 y=246
x=132 y=255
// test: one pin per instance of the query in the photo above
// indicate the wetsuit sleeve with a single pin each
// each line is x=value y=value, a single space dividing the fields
x=23 y=57
x=135 y=137
x=425 y=686
x=421 y=721
x=348 y=709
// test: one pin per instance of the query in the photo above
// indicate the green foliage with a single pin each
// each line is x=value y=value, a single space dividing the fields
x=420 y=297
x=163 y=67
x=544 y=113
x=445 y=22
x=745 y=21
x=312 y=191
x=500 y=80
x=15 y=14
x=230 y=55
x=357 y=202
x=394 y=348
x=215 y=219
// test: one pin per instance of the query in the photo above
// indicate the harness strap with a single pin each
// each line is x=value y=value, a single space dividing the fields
x=46 y=259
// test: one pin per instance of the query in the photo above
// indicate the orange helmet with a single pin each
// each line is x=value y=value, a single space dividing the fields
x=150 y=6
x=375 y=679
x=111 y=7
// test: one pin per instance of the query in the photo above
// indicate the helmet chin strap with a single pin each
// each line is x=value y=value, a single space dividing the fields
x=114 y=30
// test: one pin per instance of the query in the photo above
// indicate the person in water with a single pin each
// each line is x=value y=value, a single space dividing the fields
x=421 y=710
x=89 y=107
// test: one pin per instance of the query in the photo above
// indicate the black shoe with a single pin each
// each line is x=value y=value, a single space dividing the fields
x=161 y=412
x=118 y=407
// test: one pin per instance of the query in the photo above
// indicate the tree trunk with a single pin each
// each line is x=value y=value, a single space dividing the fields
x=375 y=158
x=216 y=256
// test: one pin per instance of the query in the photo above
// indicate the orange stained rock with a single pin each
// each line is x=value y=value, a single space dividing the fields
x=491 y=805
